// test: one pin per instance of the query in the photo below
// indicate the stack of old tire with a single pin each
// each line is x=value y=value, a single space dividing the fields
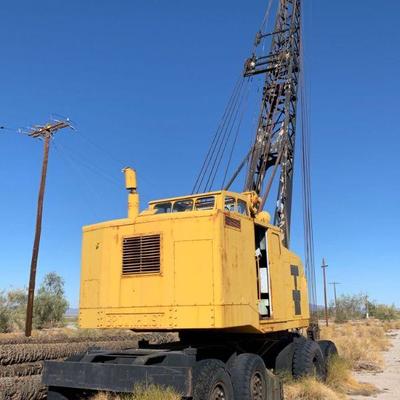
x=21 y=359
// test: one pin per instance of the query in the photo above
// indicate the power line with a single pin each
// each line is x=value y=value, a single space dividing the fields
x=86 y=163
x=8 y=129
x=87 y=184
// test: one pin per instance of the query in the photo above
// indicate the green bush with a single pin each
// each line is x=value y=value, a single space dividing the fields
x=17 y=300
x=49 y=307
x=350 y=307
x=383 y=312
x=50 y=302
x=12 y=310
x=5 y=315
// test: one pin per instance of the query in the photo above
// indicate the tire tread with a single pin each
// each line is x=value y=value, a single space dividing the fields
x=242 y=370
x=204 y=374
x=304 y=354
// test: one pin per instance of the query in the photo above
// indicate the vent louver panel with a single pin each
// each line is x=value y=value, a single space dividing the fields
x=141 y=255
x=232 y=222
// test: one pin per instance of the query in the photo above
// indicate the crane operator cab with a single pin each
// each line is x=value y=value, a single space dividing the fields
x=204 y=261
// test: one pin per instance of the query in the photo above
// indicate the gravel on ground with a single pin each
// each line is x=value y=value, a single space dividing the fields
x=387 y=381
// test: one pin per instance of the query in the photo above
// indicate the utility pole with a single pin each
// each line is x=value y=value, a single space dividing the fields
x=324 y=266
x=334 y=291
x=45 y=132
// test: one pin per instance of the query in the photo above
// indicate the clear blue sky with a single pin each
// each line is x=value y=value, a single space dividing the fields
x=148 y=80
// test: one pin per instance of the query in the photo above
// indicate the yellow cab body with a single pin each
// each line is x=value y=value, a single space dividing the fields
x=190 y=263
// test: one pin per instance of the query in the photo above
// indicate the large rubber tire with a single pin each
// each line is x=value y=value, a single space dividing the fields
x=212 y=381
x=249 y=377
x=328 y=349
x=308 y=360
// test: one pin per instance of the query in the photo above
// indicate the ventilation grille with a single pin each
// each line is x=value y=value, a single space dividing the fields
x=141 y=255
x=232 y=222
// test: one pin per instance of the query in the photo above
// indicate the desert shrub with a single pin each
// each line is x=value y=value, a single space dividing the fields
x=12 y=310
x=50 y=302
x=49 y=307
x=350 y=307
x=354 y=307
x=17 y=300
x=5 y=315
x=383 y=312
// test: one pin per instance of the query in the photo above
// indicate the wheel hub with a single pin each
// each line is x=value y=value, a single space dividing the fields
x=218 y=392
x=257 y=387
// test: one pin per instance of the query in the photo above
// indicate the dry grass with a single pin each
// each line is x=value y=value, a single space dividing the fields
x=390 y=325
x=341 y=380
x=360 y=344
x=309 y=389
x=141 y=393
x=338 y=385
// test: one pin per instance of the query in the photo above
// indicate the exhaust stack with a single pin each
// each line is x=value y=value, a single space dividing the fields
x=133 y=196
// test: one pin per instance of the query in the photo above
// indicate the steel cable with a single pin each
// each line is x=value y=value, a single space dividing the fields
x=211 y=149
x=236 y=135
x=229 y=120
x=306 y=190
x=209 y=170
x=226 y=137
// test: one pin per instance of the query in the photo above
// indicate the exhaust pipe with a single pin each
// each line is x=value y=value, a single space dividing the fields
x=133 y=196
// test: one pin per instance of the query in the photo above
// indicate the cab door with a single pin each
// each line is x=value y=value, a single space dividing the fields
x=263 y=276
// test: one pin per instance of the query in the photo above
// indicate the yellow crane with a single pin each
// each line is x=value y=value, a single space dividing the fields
x=210 y=266
x=202 y=262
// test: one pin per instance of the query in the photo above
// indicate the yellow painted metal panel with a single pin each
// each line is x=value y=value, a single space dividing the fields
x=207 y=277
x=193 y=273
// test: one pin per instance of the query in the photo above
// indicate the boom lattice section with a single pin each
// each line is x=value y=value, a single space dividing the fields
x=275 y=137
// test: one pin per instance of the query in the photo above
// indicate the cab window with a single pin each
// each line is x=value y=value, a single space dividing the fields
x=242 y=207
x=163 y=208
x=230 y=204
x=204 y=203
x=182 y=206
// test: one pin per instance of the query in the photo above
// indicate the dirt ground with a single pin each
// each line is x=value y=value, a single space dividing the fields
x=388 y=381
